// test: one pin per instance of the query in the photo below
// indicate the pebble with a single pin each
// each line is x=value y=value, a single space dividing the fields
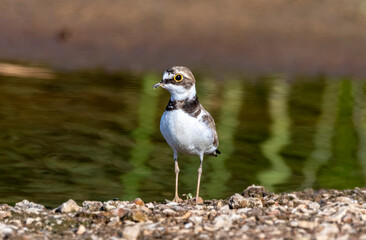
x=92 y=205
x=238 y=201
x=221 y=221
x=29 y=221
x=6 y=230
x=171 y=204
x=150 y=205
x=120 y=212
x=110 y=205
x=81 y=230
x=131 y=233
x=197 y=220
x=328 y=231
x=138 y=216
x=306 y=224
x=67 y=207
x=5 y=214
x=188 y=225
x=29 y=207
x=113 y=221
x=169 y=212
x=138 y=202
x=225 y=209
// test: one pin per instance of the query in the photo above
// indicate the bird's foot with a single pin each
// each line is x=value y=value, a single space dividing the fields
x=177 y=199
x=198 y=200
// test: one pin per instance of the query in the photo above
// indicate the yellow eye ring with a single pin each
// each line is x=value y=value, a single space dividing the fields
x=178 y=77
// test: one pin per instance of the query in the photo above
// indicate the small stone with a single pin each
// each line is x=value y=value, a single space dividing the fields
x=145 y=210
x=150 y=205
x=306 y=224
x=198 y=200
x=314 y=206
x=188 y=225
x=131 y=232
x=268 y=222
x=185 y=216
x=138 y=216
x=29 y=207
x=346 y=228
x=67 y=207
x=16 y=222
x=169 y=212
x=5 y=207
x=238 y=201
x=294 y=223
x=220 y=203
x=255 y=192
x=6 y=231
x=81 y=230
x=329 y=231
x=5 y=214
x=348 y=218
x=113 y=221
x=209 y=228
x=244 y=228
x=171 y=204
x=120 y=212
x=362 y=237
x=138 y=202
x=129 y=223
x=292 y=196
x=92 y=205
x=178 y=208
x=196 y=219
x=224 y=209
x=197 y=229
x=29 y=221
x=110 y=205
x=222 y=221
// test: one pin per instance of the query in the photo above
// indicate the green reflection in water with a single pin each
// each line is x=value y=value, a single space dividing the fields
x=140 y=152
x=280 y=136
x=343 y=171
x=324 y=133
x=75 y=133
x=359 y=119
x=227 y=124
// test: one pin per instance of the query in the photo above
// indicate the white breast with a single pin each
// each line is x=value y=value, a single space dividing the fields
x=186 y=134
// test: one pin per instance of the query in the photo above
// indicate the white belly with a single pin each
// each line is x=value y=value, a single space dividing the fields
x=186 y=134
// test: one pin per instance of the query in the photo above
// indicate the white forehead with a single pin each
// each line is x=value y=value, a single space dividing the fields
x=168 y=75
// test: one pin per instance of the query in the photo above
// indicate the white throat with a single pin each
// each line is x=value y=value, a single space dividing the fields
x=180 y=93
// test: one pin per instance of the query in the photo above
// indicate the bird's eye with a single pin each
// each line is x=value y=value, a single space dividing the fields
x=178 y=77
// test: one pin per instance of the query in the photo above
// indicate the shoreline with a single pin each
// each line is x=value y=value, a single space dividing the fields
x=253 y=214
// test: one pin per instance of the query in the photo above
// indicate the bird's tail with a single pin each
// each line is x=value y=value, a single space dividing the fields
x=214 y=153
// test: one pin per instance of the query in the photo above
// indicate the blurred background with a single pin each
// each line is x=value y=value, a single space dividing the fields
x=79 y=119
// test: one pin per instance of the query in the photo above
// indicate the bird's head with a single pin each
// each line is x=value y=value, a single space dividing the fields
x=180 y=82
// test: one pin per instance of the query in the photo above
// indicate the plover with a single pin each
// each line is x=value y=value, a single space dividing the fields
x=186 y=126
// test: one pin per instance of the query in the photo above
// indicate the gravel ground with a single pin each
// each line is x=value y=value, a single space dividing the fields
x=253 y=214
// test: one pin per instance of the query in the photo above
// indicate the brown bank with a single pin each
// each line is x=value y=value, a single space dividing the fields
x=253 y=214
x=260 y=36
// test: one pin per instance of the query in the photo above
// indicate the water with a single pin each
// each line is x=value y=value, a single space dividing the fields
x=95 y=135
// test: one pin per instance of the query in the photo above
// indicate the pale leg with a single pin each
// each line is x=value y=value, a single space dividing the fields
x=198 y=199
x=176 y=198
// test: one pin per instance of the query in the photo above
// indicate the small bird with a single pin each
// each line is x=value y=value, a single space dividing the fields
x=186 y=126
